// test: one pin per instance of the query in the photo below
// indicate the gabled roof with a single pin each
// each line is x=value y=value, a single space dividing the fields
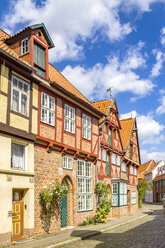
x=103 y=105
x=27 y=30
x=5 y=48
x=151 y=167
x=126 y=131
x=146 y=166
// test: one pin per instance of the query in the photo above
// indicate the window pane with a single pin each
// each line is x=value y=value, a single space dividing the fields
x=15 y=102
x=114 y=200
x=23 y=104
x=18 y=156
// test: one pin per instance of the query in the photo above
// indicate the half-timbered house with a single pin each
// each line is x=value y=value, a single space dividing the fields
x=131 y=160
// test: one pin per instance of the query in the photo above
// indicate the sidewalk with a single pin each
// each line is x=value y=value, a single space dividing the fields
x=71 y=235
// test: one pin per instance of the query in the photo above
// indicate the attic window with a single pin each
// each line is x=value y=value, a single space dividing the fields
x=39 y=60
x=24 y=46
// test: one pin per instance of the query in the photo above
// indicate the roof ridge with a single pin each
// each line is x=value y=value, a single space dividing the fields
x=127 y=119
x=102 y=100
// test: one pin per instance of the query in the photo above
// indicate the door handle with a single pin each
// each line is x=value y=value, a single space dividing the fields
x=14 y=214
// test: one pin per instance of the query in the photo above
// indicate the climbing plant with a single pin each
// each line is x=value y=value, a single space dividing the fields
x=102 y=191
x=49 y=200
x=143 y=186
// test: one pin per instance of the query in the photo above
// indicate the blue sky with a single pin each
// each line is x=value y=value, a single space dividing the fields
x=103 y=43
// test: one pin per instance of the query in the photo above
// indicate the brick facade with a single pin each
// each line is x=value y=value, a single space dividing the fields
x=48 y=168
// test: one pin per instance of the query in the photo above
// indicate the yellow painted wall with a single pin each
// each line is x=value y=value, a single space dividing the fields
x=3 y=108
x=17 y=182
x=6 y=187
x=19 y=122
x=34 y=121
x=4 y=79
x=35 y=95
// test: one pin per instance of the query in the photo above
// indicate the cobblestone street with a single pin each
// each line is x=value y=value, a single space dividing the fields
x=146 y=232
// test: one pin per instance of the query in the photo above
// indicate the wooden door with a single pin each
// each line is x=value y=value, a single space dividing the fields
x=17 y=215
x=64 y=211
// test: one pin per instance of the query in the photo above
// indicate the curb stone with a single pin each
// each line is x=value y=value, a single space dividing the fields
x=95 y=233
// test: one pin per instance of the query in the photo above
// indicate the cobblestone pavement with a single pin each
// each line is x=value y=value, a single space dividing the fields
x=148 y=232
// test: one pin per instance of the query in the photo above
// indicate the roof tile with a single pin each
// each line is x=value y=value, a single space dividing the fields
x=102 y=105
x=126 y=130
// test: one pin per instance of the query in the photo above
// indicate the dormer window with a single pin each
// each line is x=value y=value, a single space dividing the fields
x=39 y=60
x=24 y=46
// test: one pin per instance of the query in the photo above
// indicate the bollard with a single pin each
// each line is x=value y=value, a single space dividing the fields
x=163 y=202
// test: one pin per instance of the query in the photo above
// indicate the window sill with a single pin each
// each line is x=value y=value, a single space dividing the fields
x=67 y=169
x=21 y=55
x=18 y=169
x=47 y=124
x=68 y=132
x=89 y=140
x=19 y=114
x=81 y=211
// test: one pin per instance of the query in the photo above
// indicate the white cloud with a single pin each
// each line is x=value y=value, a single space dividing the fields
x=143 y=5
x=162 y=36
x=154 y=155
x=69 y=22
x=120 y=75
x=160 y=58
x=149 y=130
x=161 y=109
x=72 y=22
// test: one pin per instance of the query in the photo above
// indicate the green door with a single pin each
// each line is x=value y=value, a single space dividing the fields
x=63 y=211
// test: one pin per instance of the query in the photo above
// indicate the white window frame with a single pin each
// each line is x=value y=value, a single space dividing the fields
x=84 y=186
x=113 y=158
x=123 y=166
x=47 y=114
x=119 y=198
x=25 y=156
x=86 y=127
x=67 y=162
x=104 y=155
x=69 y=119
x=133 y=197
x=24 y=46
x=20 y=93
x=135 y=171
x=131 y=170
x=118 y=160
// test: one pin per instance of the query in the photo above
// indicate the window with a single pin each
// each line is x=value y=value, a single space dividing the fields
x=107 y=164
x=110 y=139
x=84 y=186
x=115 y=194
x=135 y=171
x=118 y=160
x=127 y=171
x=123 y=194
x=130 y=152
x=39 y=60
x=69 y=119
x=131 y=170
x=123 y=166
x=18 y=156
x=20 y=92
x=47 y=109
x=103 y=155
x=86 y=127
x=133 y=197
x=113 y=158
x=114 y=134
x=67 y=163
x=119 y=194
x=24 y=46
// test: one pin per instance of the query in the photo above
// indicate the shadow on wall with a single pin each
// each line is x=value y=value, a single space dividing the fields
x=146 y=235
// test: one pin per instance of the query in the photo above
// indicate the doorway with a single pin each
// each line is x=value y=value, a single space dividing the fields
x=17 y=214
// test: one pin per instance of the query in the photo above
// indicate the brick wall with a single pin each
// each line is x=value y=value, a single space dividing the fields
x=48 y=168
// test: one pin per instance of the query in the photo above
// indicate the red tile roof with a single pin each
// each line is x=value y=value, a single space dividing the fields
x=103 y=105
x=126 y=131
x=144 y=167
